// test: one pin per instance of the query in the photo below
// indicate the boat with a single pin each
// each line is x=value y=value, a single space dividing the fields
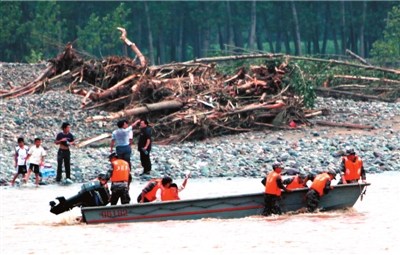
x=222 y=207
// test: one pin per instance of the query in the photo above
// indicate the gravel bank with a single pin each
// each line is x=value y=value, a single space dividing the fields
x=250 y=154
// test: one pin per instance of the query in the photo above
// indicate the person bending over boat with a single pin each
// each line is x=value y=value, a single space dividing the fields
x=320 y=187
x=172 y=192
x=273 y=190
x=299 y=181
x=352 y=168
x=149 y=192
x=120 y=178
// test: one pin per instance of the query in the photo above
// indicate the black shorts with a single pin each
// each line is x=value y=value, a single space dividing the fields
x=22 y=169
x=34 y=168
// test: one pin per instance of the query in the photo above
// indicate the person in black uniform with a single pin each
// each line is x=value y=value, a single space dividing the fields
x=144 y=146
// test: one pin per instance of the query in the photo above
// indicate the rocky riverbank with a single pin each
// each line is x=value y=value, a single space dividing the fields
x=245 y=154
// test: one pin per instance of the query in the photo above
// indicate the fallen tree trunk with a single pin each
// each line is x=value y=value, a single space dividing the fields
x=344 y=125
x=135 y=49
x=363 y=78
x=165 y=105
x=363 y=61
x=332 y=92
x=93 y=140
x=114 y=89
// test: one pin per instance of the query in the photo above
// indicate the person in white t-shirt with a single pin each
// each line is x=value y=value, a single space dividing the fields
x=21 y=152
x=36 y=156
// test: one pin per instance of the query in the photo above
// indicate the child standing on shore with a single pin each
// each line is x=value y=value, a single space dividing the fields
x=36 y=155
x=20 y=155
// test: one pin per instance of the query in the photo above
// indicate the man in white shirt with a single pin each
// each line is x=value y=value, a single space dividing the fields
x=36 y=156
x=122 y=139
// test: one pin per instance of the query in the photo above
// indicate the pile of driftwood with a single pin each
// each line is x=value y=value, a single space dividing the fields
x=182 y=101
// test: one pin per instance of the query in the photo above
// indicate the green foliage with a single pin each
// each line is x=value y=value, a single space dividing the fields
x=10 y=18
x=301 y=83
x=34 y=57
x=100 y=36
x=44 y=30
x=387 y=50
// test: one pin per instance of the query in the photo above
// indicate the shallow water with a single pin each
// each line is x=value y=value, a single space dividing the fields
x=371 y=226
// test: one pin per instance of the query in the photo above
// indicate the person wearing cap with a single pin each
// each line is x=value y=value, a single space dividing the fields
x=352 y=168
x=120 y=178
x=319 y=187
x=273 y=190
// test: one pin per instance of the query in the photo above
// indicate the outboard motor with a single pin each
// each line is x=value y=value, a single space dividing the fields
x=91 y=194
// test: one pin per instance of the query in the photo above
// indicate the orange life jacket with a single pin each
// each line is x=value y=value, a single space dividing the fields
x=270 y=186
x=151 y=195
x=168 y=194
x=120 y=171
x=352 y=169
x=295 y=184
x=319 y=183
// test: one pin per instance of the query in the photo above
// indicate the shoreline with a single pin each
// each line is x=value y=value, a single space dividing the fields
x=311 y=148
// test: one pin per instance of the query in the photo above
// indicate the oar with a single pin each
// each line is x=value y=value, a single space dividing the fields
x=362 y=193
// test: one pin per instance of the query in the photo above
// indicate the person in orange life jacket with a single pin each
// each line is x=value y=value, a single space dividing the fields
x=352 y=168
x=296 y=182
x=273 y=191
x=320 y=187
x=149 y=192
x=172 y=192
x=120 y=178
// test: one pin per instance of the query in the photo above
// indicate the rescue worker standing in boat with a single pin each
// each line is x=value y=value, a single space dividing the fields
x=273 y=190
x=120 y=178
x=148 y=194
x=320 y=187
x=352 y=168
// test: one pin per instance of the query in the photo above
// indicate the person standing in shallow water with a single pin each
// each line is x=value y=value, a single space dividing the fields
x=273 y=190
x=64 y=140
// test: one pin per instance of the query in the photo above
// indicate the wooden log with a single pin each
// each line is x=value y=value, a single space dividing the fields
x=313 y=114
x=254 y=107
x=93 y=140
x=332 y=92
x=133 y=46
x=288 y=57
x=363 y=78
x=165 y=105
x=106 y=103
x=263 y=97
x=344 y=125
x=114 y=89
x=363 y=61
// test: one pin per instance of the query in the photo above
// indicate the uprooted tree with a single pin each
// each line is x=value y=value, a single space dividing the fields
x=193 y=100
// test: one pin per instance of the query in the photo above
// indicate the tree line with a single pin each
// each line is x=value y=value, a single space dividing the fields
x=174 y=31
